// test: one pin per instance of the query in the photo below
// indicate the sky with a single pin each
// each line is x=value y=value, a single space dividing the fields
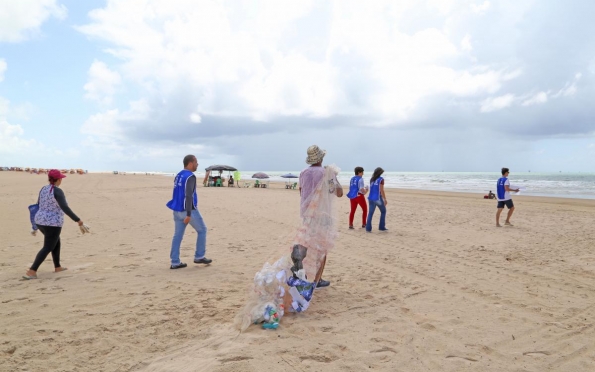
x=413 y=85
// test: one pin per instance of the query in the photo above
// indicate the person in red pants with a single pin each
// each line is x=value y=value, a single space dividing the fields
x=357 y=190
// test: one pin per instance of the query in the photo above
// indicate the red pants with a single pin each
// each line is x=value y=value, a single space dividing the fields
x=361 y=201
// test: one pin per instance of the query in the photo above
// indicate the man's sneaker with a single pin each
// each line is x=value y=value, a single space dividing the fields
x=323 y=283
x=205 y=261
x=350 y=227
x=181 y=265
x=383 y=229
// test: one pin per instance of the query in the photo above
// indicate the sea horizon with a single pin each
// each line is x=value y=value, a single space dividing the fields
x=580 y=185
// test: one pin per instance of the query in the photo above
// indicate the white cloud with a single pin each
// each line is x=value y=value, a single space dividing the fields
x=102 y=83
x=480 y=9
x=497 y=103
x=537 y=99
x=470 y=84
x=570 y=88
x=287 y=58
x=3 y=67
x=466 y=43
x=512 y=75
x=110 y=124
x=13 y=142
x=102 y=124
x=11 y=137
x=195 y=118
x=21 y=19
x=4 y=106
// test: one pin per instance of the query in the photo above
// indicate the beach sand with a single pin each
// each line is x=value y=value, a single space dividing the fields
x=443 y=290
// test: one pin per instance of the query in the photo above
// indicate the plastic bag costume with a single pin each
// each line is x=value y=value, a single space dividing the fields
x=287 y=285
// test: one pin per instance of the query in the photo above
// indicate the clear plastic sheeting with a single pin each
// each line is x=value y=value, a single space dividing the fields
x=318 y=231
x=288 y=284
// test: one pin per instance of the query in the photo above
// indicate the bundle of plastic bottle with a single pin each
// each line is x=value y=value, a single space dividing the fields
x=268 y=291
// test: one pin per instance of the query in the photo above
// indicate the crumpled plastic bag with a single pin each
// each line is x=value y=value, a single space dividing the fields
x=267 y=294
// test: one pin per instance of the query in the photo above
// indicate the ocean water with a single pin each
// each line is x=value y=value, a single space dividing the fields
x=569 y=185
x=560 y=184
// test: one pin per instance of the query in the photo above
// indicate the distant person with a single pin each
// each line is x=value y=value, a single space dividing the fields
x=357 y=190
x=314 y=181
x=491 y=195
x=230 y=182
x=237 y=176
x=377 y=198
x=503 y=189
x=184 y=205
x=221 y=179
x=49 y=220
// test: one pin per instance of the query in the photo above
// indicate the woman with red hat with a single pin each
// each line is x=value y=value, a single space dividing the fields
x=49 y=219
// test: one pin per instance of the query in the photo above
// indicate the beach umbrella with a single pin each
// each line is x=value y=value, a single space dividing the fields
x=289 y=175
x=260 y=175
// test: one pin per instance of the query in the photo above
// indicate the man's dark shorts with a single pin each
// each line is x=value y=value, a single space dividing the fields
x=508 y=203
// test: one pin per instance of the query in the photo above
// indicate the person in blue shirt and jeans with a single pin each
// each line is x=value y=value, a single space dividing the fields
x=377 y=198
x=184 y=205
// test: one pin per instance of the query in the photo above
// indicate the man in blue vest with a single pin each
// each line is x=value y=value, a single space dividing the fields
x=184 y=205
x=503 y=194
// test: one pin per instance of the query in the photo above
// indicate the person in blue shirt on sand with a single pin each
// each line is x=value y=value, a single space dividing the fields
x=184 y=205
x=357 y=190
x=503 y=194
x=377 y=198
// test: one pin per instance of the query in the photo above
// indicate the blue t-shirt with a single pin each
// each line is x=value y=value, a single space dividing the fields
x=375 y=189
x=178 y=201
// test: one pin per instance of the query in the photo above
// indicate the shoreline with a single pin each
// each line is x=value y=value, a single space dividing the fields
x=553 y=199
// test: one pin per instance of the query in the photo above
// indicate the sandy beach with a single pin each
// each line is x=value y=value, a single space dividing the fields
x=443 y=290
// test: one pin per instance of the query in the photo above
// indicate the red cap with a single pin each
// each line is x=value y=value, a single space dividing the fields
x=55 y=174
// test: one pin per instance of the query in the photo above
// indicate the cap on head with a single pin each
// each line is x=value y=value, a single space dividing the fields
x=315 y=155
x=55 y=175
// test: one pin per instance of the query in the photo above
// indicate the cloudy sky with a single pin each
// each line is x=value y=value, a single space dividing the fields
x=410 y=85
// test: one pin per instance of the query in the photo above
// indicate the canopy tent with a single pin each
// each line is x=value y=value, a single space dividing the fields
x=209 y=180
x=218 y=167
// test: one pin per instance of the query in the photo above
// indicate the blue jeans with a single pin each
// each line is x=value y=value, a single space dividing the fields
x=198 y=224
x=373 y=204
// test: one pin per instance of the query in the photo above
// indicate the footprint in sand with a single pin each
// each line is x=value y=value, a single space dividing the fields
x=460 y=357
x=235 y=359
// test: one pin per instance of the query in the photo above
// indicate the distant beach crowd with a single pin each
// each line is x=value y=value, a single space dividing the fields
x=42 y=170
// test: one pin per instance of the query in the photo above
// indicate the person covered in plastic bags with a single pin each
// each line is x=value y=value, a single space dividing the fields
x=288 y=284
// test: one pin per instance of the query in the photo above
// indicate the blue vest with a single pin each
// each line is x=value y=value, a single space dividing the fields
x=354 y=187
x=178 y=201
x=375 y=189
x=500 y=189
